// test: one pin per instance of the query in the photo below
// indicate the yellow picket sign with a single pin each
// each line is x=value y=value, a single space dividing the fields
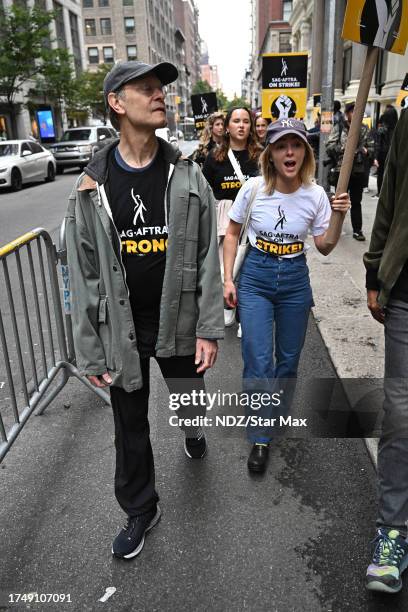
x=402 y=99
x=377 y=24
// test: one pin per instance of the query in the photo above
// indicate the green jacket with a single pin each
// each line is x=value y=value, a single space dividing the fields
x=388 y=249
x=191 y=305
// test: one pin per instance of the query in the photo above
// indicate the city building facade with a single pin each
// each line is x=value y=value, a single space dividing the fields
x=131 y=30
x=65 y=33
x=298 y=25
x=270 y=33
x=186 y=19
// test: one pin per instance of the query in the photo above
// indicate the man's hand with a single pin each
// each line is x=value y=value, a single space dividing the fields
x=104 y=380
x=374 y=307
x=206 y=354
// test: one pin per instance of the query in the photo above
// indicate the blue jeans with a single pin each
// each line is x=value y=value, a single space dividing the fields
x=274 y=301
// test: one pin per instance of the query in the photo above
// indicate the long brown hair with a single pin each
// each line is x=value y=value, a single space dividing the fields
x=254 y=149
x=269 y=173
x=206 y=134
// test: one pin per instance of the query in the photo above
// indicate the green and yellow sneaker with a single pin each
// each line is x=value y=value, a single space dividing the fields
x=390 y=559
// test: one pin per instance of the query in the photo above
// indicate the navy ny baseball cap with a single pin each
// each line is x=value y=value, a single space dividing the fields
x=123 y=72
x=283 y=127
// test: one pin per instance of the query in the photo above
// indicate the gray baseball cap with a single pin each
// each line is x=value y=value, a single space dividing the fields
x=123 y=72
x=282 y=127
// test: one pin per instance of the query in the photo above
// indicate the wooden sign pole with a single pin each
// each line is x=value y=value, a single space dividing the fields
x=354 y=131
x=352 y=139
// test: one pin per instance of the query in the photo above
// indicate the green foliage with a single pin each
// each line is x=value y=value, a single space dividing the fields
x=24 y=41
x=202 y=87
x=236 y=102
x=222 y=100
x=56 y=81
x=90 y=91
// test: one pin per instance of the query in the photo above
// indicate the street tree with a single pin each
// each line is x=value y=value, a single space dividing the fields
x=236 y=102
x=24 y=38
x=90 y=92
x=201 y=87
x=56 y=82
x=222 y=99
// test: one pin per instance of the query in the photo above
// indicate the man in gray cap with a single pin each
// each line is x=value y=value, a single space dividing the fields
x=142 y=253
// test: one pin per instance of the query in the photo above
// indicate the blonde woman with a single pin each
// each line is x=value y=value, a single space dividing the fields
x=261 y=126
x=211 y=136
x=274 y=295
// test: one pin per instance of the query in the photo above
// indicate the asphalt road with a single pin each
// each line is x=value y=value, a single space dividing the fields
x=295 y=539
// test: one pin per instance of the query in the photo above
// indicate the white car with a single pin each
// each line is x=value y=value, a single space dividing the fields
x=24 y=161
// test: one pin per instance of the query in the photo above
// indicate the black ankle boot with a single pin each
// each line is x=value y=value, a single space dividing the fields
x=258 y=458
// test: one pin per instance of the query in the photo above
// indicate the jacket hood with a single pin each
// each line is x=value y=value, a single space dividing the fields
x=98 y=166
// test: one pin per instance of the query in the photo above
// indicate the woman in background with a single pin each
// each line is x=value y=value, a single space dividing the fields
x=211 y=136
x=261 y=125
x=239 y=138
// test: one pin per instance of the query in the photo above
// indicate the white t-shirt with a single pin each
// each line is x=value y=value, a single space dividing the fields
x=280 y=222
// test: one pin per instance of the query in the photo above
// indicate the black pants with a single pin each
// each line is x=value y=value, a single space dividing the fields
x=134 y=474
x=355 y=188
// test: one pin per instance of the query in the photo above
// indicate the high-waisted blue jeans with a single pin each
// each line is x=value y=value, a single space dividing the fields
x=274 y=301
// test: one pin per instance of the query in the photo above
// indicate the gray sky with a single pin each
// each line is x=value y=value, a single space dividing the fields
x=224 y=25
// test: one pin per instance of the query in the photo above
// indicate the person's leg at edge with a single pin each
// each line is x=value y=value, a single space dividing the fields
x=134 y=473
x=291 y=318
x=390 y=557
x=356 y=196
x=180 y=374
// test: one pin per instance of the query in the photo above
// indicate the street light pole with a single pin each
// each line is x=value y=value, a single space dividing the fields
x=331 y=38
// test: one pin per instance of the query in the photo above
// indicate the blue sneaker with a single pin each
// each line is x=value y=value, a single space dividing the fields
x=390 y=559
x=130 y=540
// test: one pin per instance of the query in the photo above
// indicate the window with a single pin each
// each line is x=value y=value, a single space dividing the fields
x=90 y=27
x=286 y=9
x=59 y=26
x=284 y=42
x=76 y=49
x=36 y=148
x=93 y=55
x=106 y=27
x=347 y=59
x=152 y=34
x=25 y=147
x=129 y=25
x=103 y=133
x=103 y=2
x=108 y=55
x=381 y=71
x=127 y=2
x=131 y=52
x=151 y=8
x=87 y=3
x=76 y=134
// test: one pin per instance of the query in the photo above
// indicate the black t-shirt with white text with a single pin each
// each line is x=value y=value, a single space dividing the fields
x=221 y=175
x=137 y=201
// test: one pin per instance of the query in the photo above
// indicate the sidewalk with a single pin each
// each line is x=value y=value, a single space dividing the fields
x=354 y=340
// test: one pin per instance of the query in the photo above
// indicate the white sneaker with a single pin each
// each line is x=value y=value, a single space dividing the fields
x=229 y=317
x=239 y=331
